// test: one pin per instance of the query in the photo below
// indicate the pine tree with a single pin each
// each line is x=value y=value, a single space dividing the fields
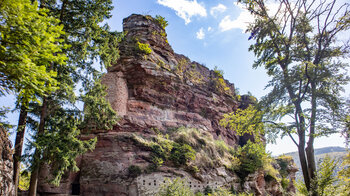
x=29 y=43
x=88 y=41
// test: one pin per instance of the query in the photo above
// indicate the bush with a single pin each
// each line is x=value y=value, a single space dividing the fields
x=283 y=161
x=181 y=154
x=134 y=171
x=161 y=20
x=222 y=147
x=219 y=82
x=208 y=190
x=143 y=48
x=221 y=192
x=252 y=157
x=285 y=183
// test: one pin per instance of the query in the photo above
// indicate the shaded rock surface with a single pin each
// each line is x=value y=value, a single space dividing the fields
x=154 y=90
x=6 y=165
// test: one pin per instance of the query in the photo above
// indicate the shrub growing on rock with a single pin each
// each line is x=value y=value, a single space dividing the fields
x=181 y=154
x=134 y=171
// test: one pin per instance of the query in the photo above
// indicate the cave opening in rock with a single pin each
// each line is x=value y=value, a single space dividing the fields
x=75 y=189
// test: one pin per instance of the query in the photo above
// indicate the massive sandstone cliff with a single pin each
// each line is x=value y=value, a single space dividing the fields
x=161 y=97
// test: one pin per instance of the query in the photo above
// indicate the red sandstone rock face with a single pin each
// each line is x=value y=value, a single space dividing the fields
x=164 y=90
x=6 y=165
x=157 y=91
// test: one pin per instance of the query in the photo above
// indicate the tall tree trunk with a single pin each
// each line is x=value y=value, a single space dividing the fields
x=299 y=117
x=301 y=147
x=36 y=159
x=303 y=161
x=19 y=144
x=310 y=144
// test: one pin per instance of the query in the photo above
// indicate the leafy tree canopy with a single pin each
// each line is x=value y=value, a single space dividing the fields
x=29 y=42
x=302 y=49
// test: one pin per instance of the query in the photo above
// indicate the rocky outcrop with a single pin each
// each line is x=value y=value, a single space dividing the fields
x=155 y=91
x=6 y=165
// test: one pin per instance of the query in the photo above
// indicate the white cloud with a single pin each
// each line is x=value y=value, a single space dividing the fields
x=210 y=29
x=241 y=22
x=200 y=34
x=217 y=9
x=185 y=8
x=244 y=18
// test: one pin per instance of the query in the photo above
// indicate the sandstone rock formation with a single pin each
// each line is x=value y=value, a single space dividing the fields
x=6 y=165
x=155 y=91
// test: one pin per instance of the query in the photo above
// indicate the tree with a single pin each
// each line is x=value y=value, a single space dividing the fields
x=89 y=41
x=29 y=43
x=344 y=176
x=326 y=177
x=300 y=47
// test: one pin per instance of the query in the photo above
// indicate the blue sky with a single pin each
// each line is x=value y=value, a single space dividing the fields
x=210 y=32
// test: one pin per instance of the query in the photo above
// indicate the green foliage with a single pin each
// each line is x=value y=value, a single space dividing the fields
x=208 y=190
x=326 y=176
x=326 y=182
x=181 y=154
x=134 y=171
x=176 y=187
x=222 y=147
x=270 y=173
x=181 y=67
x=220 y=192
x=301 y=188
x=190 y=148
x=57 y=139
x=285 y=183
x=164 y=149
x=143 y=48
x=306 y=66
x=244 y=121
x=98 y=113
x=30 y=41
x=219 y=82
x=209 y=152
x=24 y=178
x=251 y=158
x=195 y=77
x=3 y=122
x=60 y=144
x=283 y=161
x=161 y=20
x=344 y=176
